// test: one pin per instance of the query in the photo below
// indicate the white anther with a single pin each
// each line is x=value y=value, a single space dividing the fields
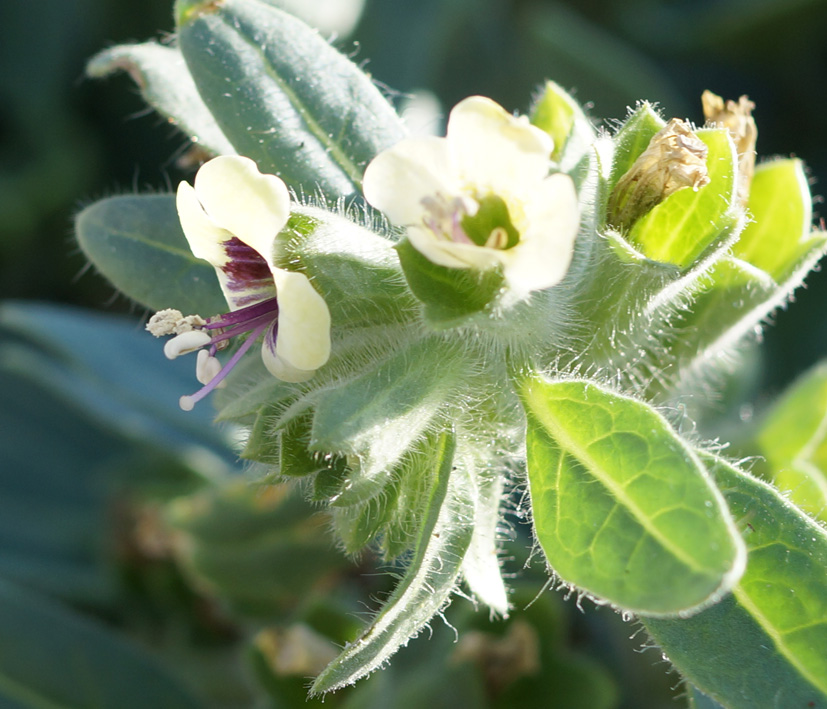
x=164 y=322
x=207 y=367
x=186 y=403
x=185 y=343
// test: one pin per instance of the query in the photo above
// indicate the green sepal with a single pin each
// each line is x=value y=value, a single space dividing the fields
x=161 y=74
x=450 y=296
x=792 y=438
x=780 y=207
x=559 y=115
x=295 y=458
x=766 y=642
x=622 y=508
x=427 y=584
x=136 y=241
x=688 y=222
x=355 y=269
x=283 y=96
x=260 y=548
x=631 y=139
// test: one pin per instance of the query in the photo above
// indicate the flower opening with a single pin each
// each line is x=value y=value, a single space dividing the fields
x=231 y=217
x=481 y=197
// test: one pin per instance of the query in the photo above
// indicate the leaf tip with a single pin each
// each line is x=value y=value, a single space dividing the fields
x=188 y=10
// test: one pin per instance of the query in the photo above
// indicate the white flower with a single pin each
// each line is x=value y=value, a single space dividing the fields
x=481 y=197
x=231 y=218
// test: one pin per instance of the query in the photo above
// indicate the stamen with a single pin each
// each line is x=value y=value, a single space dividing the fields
x=250 y=312
x=207 y=367
x=187 y=403
x=186 y=342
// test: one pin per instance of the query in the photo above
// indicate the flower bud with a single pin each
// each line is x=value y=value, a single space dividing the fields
x=674 y=159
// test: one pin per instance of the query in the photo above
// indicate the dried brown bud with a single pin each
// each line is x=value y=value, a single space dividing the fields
x=674 y=159
x=737 y=117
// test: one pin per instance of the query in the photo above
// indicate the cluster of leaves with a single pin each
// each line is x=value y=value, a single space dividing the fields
x=428 y=413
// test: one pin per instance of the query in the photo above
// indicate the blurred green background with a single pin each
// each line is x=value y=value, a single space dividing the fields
x=99 y=388
x=66 y=140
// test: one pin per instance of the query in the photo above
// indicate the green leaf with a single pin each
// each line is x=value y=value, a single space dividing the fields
x=450 y=295
x=136 y=241
x=397 y=506
x=381 y=413
x=166 y=84
x=766 y=643
x=427 y=583
x=283 y=96
x=687 y=222
x=481 y=567
x=356 y=270
x=793 y=440
x=52 y=658
x=622 y=508
x=261 y=549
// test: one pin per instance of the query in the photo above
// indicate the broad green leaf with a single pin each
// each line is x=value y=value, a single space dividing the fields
x=136 y=241
x=428 y=581
x=283 y=96
x=51 y=657
x=687 y=222
x=622 y=508
x=765 y=644
x=260 y=549
x=793 y=440
x=165 y=83
x=381 y=413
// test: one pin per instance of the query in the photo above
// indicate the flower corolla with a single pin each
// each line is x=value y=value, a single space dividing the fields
x=231 y=217
x=482 y=197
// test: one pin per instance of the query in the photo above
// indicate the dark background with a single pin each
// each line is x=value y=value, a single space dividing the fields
x=66 y=140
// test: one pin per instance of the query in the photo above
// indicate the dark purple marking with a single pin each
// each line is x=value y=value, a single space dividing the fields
x=246 y=266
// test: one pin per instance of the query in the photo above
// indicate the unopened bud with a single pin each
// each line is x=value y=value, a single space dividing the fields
x=675 y=159
x=737 y=117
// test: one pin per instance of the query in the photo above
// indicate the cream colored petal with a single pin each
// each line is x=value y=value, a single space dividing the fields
x=240 y=199
x=203 y=235
x=452 y=254
x=495 y=149
x=397 y=179
x=544 y=253
x=303 y=341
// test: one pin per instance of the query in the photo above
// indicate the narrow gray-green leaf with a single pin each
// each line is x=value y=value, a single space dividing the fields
x=622 y=508
x=166 y=84
x=481 y=567
x=50 y=657
x=136 y=241
x=283 y=96
x=764 y=645
x=427 y=584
